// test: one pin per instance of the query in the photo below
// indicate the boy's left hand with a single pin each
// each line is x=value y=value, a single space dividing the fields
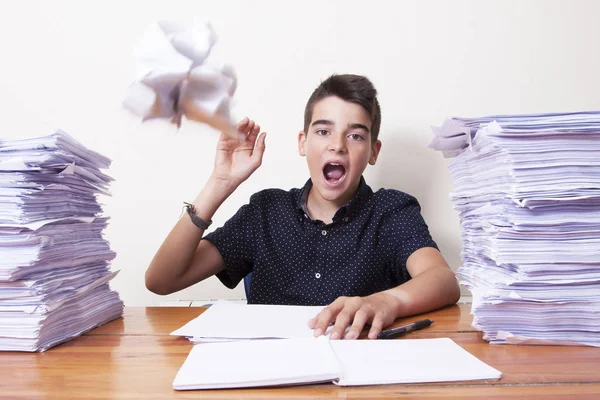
x=378 y=310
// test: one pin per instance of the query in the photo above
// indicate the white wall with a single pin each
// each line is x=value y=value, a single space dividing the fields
x=67 y=64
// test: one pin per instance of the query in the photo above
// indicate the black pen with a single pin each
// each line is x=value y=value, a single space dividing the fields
x=401 y=330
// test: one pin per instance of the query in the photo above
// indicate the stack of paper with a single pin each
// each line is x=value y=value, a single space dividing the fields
x=527 y=189
x=54 y=261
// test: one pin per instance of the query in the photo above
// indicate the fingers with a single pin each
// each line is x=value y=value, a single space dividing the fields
x=241 y=126
x=247 y=126
x=352 y=306
x=253 y=132
x=259 y=149
x=376 y=310
x=341 y=323
x=249 y=129
x=376 y=326
x=326 y=316
x=321 y=322
x=360 y=319
x=345 y=311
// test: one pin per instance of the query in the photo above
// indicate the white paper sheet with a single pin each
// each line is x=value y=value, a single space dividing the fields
x=225 y=320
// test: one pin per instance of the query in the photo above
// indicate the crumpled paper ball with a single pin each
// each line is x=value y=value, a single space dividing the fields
x=174 y=77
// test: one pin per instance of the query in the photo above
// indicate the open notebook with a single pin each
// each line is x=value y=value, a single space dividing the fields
x=343 y=362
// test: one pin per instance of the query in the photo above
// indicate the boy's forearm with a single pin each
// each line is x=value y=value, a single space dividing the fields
x=210 y=198
x=434 y=288
x=174 y=257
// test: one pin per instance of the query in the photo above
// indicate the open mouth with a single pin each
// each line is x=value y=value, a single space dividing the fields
x=334 y=172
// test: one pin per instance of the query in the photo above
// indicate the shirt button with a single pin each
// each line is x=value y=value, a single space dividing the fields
x=323 y=232
x=317 y=275
x=346 y=219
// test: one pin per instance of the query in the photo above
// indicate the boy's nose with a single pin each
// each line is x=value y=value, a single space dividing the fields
x=338 y=144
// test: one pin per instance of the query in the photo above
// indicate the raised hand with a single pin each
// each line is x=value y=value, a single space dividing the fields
x=238 y=156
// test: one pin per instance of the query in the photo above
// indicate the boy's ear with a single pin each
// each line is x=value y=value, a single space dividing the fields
x=301 y=141
x=375 y=148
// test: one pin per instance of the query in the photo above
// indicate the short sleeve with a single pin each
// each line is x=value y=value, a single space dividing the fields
x=235 y=242
x=407 y=232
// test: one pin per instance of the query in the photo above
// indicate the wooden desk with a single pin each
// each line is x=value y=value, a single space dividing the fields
x=134 y=358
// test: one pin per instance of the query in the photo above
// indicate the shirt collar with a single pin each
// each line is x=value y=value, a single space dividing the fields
x=363 y=193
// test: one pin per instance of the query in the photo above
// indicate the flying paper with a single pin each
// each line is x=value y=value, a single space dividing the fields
x=175 y=77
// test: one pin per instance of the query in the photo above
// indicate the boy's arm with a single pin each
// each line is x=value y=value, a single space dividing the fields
x=184 y=259
x=433 y=285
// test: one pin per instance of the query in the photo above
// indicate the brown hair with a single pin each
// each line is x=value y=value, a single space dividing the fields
x=352 y=88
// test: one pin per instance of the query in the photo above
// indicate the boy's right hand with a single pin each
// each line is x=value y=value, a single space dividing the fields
x=238 y=156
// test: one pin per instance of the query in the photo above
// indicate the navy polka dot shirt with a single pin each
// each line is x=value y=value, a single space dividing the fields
x=295 y=260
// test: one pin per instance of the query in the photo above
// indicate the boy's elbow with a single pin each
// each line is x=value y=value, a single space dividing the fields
x=455 y=296
x=454 y=293
x=156 y=286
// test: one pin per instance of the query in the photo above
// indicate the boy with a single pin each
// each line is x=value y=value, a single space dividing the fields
x=368 y=255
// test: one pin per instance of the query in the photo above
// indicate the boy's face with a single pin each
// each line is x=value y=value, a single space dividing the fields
x=338 y=148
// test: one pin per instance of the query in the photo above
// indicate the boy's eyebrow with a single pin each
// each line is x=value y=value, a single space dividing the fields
x=331 y=123
x=322 y=122
x=358 y=126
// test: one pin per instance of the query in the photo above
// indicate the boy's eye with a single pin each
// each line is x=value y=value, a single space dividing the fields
x=321 y=132
x=355 y=136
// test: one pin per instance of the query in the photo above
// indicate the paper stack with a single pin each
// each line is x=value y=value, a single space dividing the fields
x=54 y=261
x=527 y=189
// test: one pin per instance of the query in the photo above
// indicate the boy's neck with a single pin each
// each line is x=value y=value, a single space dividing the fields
x=322 y=209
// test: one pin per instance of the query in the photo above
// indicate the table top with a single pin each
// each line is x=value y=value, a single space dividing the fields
x=134 y=357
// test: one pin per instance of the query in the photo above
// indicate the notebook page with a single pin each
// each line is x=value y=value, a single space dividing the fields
x=242 y=321
x=257 y=363
x=373 y=362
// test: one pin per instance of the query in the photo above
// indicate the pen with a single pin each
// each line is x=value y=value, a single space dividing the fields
x=401 y=330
